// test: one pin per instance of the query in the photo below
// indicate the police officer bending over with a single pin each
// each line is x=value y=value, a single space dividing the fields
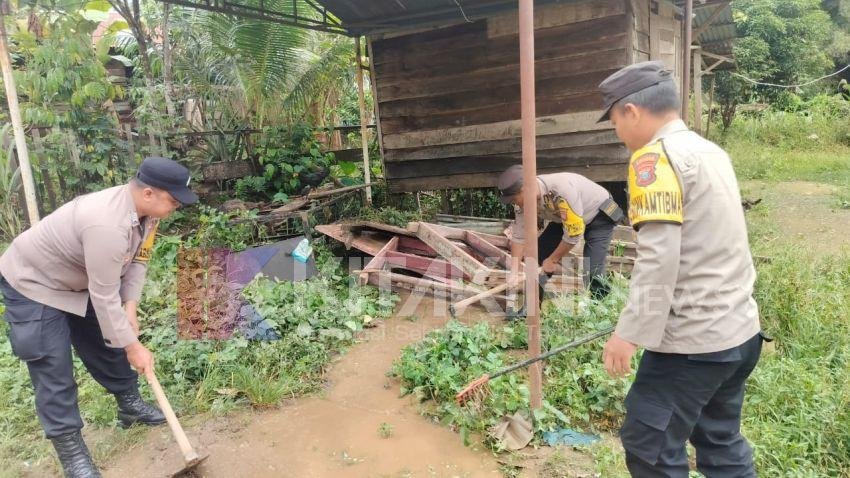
x=577 y=207
x=75 y=278
x=690 y=306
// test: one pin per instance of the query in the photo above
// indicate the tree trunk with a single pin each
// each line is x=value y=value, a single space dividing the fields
x=132 y=15
x=167 y=63
x=727 y=111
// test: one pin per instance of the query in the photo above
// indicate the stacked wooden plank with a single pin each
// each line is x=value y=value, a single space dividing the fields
x=463 y=266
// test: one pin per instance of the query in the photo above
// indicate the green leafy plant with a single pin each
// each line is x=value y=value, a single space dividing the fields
x=11 y=222
x=385 y=430
x=215 y=229
x=291 y=159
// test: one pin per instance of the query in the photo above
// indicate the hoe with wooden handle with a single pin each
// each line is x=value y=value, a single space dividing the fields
x=190 y=456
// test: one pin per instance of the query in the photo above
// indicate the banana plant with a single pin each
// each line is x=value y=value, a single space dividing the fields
x=11 y=223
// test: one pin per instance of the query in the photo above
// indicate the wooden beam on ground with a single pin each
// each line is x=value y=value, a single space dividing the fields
x=459 y=307
x=477 y=271
x=460 y=234
x=427 y=266
x=489 y=251
x=377 y=262
x=394 y=280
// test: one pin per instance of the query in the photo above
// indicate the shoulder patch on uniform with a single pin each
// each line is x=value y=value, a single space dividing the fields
x=655 y=194
x=644 y=168
x=146 y=248
x=573 y=223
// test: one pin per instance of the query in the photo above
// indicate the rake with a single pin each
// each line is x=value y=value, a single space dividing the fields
x=478 y=388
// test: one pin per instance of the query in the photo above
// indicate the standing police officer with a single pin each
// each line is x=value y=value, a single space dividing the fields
x=690 y=305
x=577 y=207
x=75 y=279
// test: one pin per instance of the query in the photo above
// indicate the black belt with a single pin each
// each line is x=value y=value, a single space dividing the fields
x=612 y=210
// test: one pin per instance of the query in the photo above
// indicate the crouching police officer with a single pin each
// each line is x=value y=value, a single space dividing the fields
x=74 y=279
x=690 y=305
x=577 y=207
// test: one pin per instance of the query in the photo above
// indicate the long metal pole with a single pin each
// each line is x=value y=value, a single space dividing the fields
x=17 y=124
x=529 y=190
x=686 y=73
x=364 y=132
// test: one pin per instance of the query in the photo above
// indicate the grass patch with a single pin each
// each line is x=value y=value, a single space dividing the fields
x=812 y=145
x=797 y=412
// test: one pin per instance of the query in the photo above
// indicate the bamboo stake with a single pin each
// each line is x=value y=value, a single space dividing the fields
x=17 y=123
x=364 y=138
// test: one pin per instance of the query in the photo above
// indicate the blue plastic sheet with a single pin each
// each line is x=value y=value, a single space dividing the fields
x=566 y=436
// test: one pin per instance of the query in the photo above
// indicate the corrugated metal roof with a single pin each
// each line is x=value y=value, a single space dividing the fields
x=382 y=15
x=387 y=15
x=720 y=36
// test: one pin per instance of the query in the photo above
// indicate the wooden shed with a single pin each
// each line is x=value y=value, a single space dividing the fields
x=449 y=98
x=446 y=80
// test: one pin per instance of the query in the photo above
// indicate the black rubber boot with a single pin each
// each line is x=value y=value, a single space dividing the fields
x=132 y=409
x=74 y=456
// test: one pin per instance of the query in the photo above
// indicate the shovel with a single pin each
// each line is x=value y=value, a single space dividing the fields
x=190 y=456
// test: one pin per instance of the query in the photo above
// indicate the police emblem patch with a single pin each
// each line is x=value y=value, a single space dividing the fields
x=644 y=167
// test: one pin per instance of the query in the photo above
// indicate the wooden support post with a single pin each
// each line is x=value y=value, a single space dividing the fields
x=698 y=90
x=375 y=101
x=686 y=45
x=364 y=137
x=710 y=106
x=17 y=123
x=529 y=188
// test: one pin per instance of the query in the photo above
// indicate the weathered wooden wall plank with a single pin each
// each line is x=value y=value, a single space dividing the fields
x=496 y=163
x=602 y=173
x=513 y=145
x=546 y=125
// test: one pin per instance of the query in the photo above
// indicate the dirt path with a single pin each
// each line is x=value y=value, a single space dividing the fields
x=334 y=435
x=804 y=212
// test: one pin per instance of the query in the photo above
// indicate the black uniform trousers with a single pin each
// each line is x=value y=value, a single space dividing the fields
x=42 y=337
x=597 y=239
x=697 y=397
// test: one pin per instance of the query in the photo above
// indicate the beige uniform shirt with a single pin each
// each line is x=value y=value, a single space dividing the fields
x=692 y=284
x=569 y=198
x=90 y=248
